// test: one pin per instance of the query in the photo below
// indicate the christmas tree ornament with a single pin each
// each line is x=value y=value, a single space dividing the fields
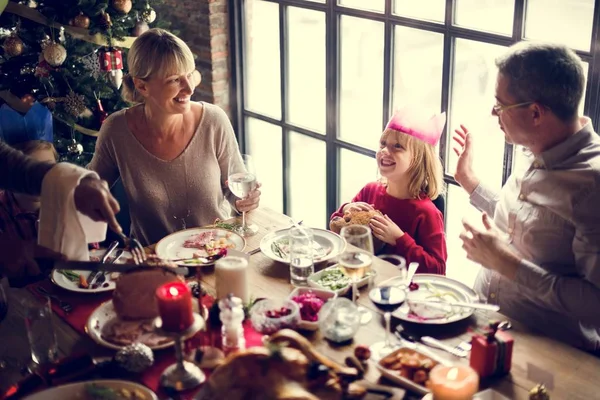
x=101 y=115
x=13 y=46
x=91 y=63
x=27 y=70
x=81 y=21
x=75 y=148
x=111 y=59
x=55 y=54
x=148 y=15
x=32 y=4
x=28 y=99
x=43 y=69
x=116 y=77
x=539 y=392
x=74 y=103
x=104 y=20
x=135 y=357
x=140 y=27
x=45 y=42
x=122 y=6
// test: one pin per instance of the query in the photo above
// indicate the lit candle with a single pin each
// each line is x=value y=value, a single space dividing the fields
x=175 y=306
x=458 y=382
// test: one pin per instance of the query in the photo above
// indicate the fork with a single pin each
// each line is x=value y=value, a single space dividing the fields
x=137 y=250
x=66 y=307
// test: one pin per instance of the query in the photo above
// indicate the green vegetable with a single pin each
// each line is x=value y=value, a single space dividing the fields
x=70 y=275
x=333 y=279
x=277 y=250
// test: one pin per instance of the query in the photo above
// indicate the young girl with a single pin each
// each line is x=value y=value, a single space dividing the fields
x=411 y=225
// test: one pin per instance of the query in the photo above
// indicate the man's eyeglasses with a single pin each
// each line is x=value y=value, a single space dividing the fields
x=499 y=108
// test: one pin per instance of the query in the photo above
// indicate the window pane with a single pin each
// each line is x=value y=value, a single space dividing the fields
x=361 y=91
x=473 y=90
x=308 y=197
x=264 y=145
x=306 y=82
x=371 y=5
x=488 y=15
x=417 y=83
x=458 y=207
x=563 y=21
x=433 y=10
x=263 y=88
x=356 y=170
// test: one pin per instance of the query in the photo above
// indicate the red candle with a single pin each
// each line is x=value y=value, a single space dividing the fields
x=175 y=306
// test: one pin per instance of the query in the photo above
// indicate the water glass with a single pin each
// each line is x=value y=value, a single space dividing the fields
x=40 y=331
x=301 y=255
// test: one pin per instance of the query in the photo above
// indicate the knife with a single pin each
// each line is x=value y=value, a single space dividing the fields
x=99 y=267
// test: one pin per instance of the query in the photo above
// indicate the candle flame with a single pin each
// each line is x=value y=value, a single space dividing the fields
x=452 y=374
x=173 y=291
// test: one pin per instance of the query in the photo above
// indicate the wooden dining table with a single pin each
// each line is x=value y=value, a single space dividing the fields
x=569 y=372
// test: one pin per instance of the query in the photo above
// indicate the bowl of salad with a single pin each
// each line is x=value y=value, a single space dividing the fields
x=334 y=279
x=310 y=301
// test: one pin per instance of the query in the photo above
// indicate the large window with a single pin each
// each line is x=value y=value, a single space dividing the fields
x=316 y=81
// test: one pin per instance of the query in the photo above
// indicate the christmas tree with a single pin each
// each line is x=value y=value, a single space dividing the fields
x=69 y=55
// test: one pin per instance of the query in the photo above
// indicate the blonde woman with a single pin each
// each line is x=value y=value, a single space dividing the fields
x=172 y=154
x=410 y=225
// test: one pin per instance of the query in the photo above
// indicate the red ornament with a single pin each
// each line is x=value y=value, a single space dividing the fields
x=111 y=59
x=100 y=113
x=43 y=69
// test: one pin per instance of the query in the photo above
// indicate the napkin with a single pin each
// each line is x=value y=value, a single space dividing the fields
x=63 y=228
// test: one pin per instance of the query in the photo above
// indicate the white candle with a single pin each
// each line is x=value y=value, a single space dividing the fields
x=458 y=382
x=231 y=276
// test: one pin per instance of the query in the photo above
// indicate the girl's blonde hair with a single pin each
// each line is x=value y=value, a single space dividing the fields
x=29 y=147
x=425 y=173
x=155 y=53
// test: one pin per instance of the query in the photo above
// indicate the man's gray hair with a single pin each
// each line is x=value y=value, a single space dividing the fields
x=549 y=74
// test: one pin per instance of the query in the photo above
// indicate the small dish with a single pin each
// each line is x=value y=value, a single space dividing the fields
x=267 y=324
x=324 y=295
x=313 y=280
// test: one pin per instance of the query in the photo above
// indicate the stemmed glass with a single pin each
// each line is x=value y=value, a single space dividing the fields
x=356 y=260
x=387 y=299
x=242 y=181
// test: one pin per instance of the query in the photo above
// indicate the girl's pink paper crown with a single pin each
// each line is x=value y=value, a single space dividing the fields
x=413 y=123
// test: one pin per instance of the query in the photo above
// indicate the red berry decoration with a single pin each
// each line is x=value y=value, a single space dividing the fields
x=413 y=286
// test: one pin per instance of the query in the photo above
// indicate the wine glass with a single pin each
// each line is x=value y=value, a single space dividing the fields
x=242 y=181
x=387 y=299
x=356 y=260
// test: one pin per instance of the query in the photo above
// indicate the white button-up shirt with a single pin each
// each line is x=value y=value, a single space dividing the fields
x=551 y=215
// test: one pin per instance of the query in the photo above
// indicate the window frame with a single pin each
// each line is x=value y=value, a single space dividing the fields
x=333 y=12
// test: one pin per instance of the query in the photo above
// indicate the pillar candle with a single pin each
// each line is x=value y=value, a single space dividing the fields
x=231 y=277
x=458 y=382
x=175 y=306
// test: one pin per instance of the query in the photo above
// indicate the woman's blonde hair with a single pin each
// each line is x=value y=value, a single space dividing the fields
x=155 y=53
x=425 y=173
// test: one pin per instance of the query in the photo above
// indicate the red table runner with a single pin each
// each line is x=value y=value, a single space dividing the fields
x=84 y=304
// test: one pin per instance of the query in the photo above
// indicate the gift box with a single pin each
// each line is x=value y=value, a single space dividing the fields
x=111 y=59
x=491 y=353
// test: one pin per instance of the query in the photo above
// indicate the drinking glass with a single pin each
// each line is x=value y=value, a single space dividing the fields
x=242 y=181
x=356 y=260
x=387 y=299
x=301 y=255
x=40 y=331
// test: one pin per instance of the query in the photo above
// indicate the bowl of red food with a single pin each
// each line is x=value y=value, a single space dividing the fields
x=310 y=301
x=270 y=315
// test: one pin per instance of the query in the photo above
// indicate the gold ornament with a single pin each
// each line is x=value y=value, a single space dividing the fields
x=122 y=6
x=140 y=27
x=149 y=15
x=32 y=4
x=74 y=103
x=75 y=148
x=105 y=20
x=539 y=392
x=55 y=54
x=13 y=46
x=81 y=21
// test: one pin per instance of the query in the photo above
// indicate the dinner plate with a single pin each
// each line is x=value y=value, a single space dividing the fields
x=171 y=247
x=62 y=281
x=101 y=318
x=79 y=390
x=327 y=244
x=450 y=290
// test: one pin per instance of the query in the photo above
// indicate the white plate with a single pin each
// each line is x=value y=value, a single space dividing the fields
x=62 y=281
x=101 y=318
x=440 y=284
x=171 y=247
x=331 y=244
x=314 y=278
x=77 y=391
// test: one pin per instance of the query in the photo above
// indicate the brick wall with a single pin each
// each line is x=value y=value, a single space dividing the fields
x=203 y=25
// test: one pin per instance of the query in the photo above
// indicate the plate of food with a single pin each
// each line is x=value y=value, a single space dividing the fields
x=310 y=302
x=129 y=316
x=435 y=289
x=77 y=281
x=410 y=368
x=326 y=245
x=96 y=390
x=333 y=278
x=193 y=246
